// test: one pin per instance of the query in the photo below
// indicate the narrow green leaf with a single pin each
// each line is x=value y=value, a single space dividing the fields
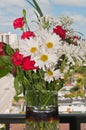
x=36 y=15
x=38 y=8
x=17 y=85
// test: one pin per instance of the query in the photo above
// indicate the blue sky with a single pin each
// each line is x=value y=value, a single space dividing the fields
x=10 y=10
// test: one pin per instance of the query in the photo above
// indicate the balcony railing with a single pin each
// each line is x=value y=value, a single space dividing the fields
x=74 y=120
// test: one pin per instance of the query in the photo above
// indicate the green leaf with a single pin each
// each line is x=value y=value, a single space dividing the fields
x=36 y=15
x=8 y=49
x=36 y=7
x=17 y=85
x=5 y=60
x=6 y=64
x=3 y=71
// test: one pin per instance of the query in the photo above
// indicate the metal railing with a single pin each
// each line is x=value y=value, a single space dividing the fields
x=74 y=120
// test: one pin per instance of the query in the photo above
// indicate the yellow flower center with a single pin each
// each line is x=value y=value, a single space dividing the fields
x=33 y=49
x=44 y=58
x=49 y=72
x=49 y=45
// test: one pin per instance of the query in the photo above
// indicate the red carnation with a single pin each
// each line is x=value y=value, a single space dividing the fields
x=27 y=35
x=75 y=39
x=18 y=23
x=60 y=31
x=28 y=64
x=17 y=58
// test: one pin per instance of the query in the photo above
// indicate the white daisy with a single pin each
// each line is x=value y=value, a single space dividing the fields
x=49 y=40
x=73 y=53
x=52 y=42
x=52 y=75
x=45 y=60
x=29 y=47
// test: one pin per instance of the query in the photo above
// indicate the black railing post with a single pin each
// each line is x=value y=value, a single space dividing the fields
x=74 y=123
x=7 y=126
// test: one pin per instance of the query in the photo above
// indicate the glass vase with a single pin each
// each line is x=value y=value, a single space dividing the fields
x=42 y=110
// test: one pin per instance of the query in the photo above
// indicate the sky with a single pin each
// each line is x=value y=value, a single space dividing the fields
x=12 y=9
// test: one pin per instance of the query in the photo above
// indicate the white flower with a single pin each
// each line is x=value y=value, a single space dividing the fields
x=52 y=75
x=82 y=44
x=49 y=41
x=29 y=46
x=14 y=45
x=66 y=21
x=52 y=42
x=73 y=53
x=45 y=60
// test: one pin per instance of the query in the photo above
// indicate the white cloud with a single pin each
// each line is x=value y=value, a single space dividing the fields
x=8 y=3
x=44 y=2
x=9 y=10
x=71 y=2
x=80 y=23
x=80 y=19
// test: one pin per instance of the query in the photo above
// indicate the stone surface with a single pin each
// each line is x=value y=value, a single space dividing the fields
x=6 y=93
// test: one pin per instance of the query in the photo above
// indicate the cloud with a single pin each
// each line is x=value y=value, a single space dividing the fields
x=8 y=3
x=70 y=2
x=80 y=19
x=9 y=10
x=77 y=17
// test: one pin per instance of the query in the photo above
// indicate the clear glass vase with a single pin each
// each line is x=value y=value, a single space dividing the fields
x=42 y=110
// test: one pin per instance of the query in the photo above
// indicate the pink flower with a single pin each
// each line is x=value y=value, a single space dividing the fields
x=27 y=35
x=60 y=31
x=18 y=23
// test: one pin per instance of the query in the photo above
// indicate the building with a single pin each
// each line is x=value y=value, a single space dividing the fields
x=8 y=37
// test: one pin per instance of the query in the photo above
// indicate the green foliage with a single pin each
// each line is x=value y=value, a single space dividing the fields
x=16 y=98
x=81 y=70
x=6 y=65
x=9 y=51
x=75 y=88
x=3 y=71
x=5 y=60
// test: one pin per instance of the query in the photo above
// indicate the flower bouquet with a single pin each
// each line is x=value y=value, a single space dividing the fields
x=41 y=62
